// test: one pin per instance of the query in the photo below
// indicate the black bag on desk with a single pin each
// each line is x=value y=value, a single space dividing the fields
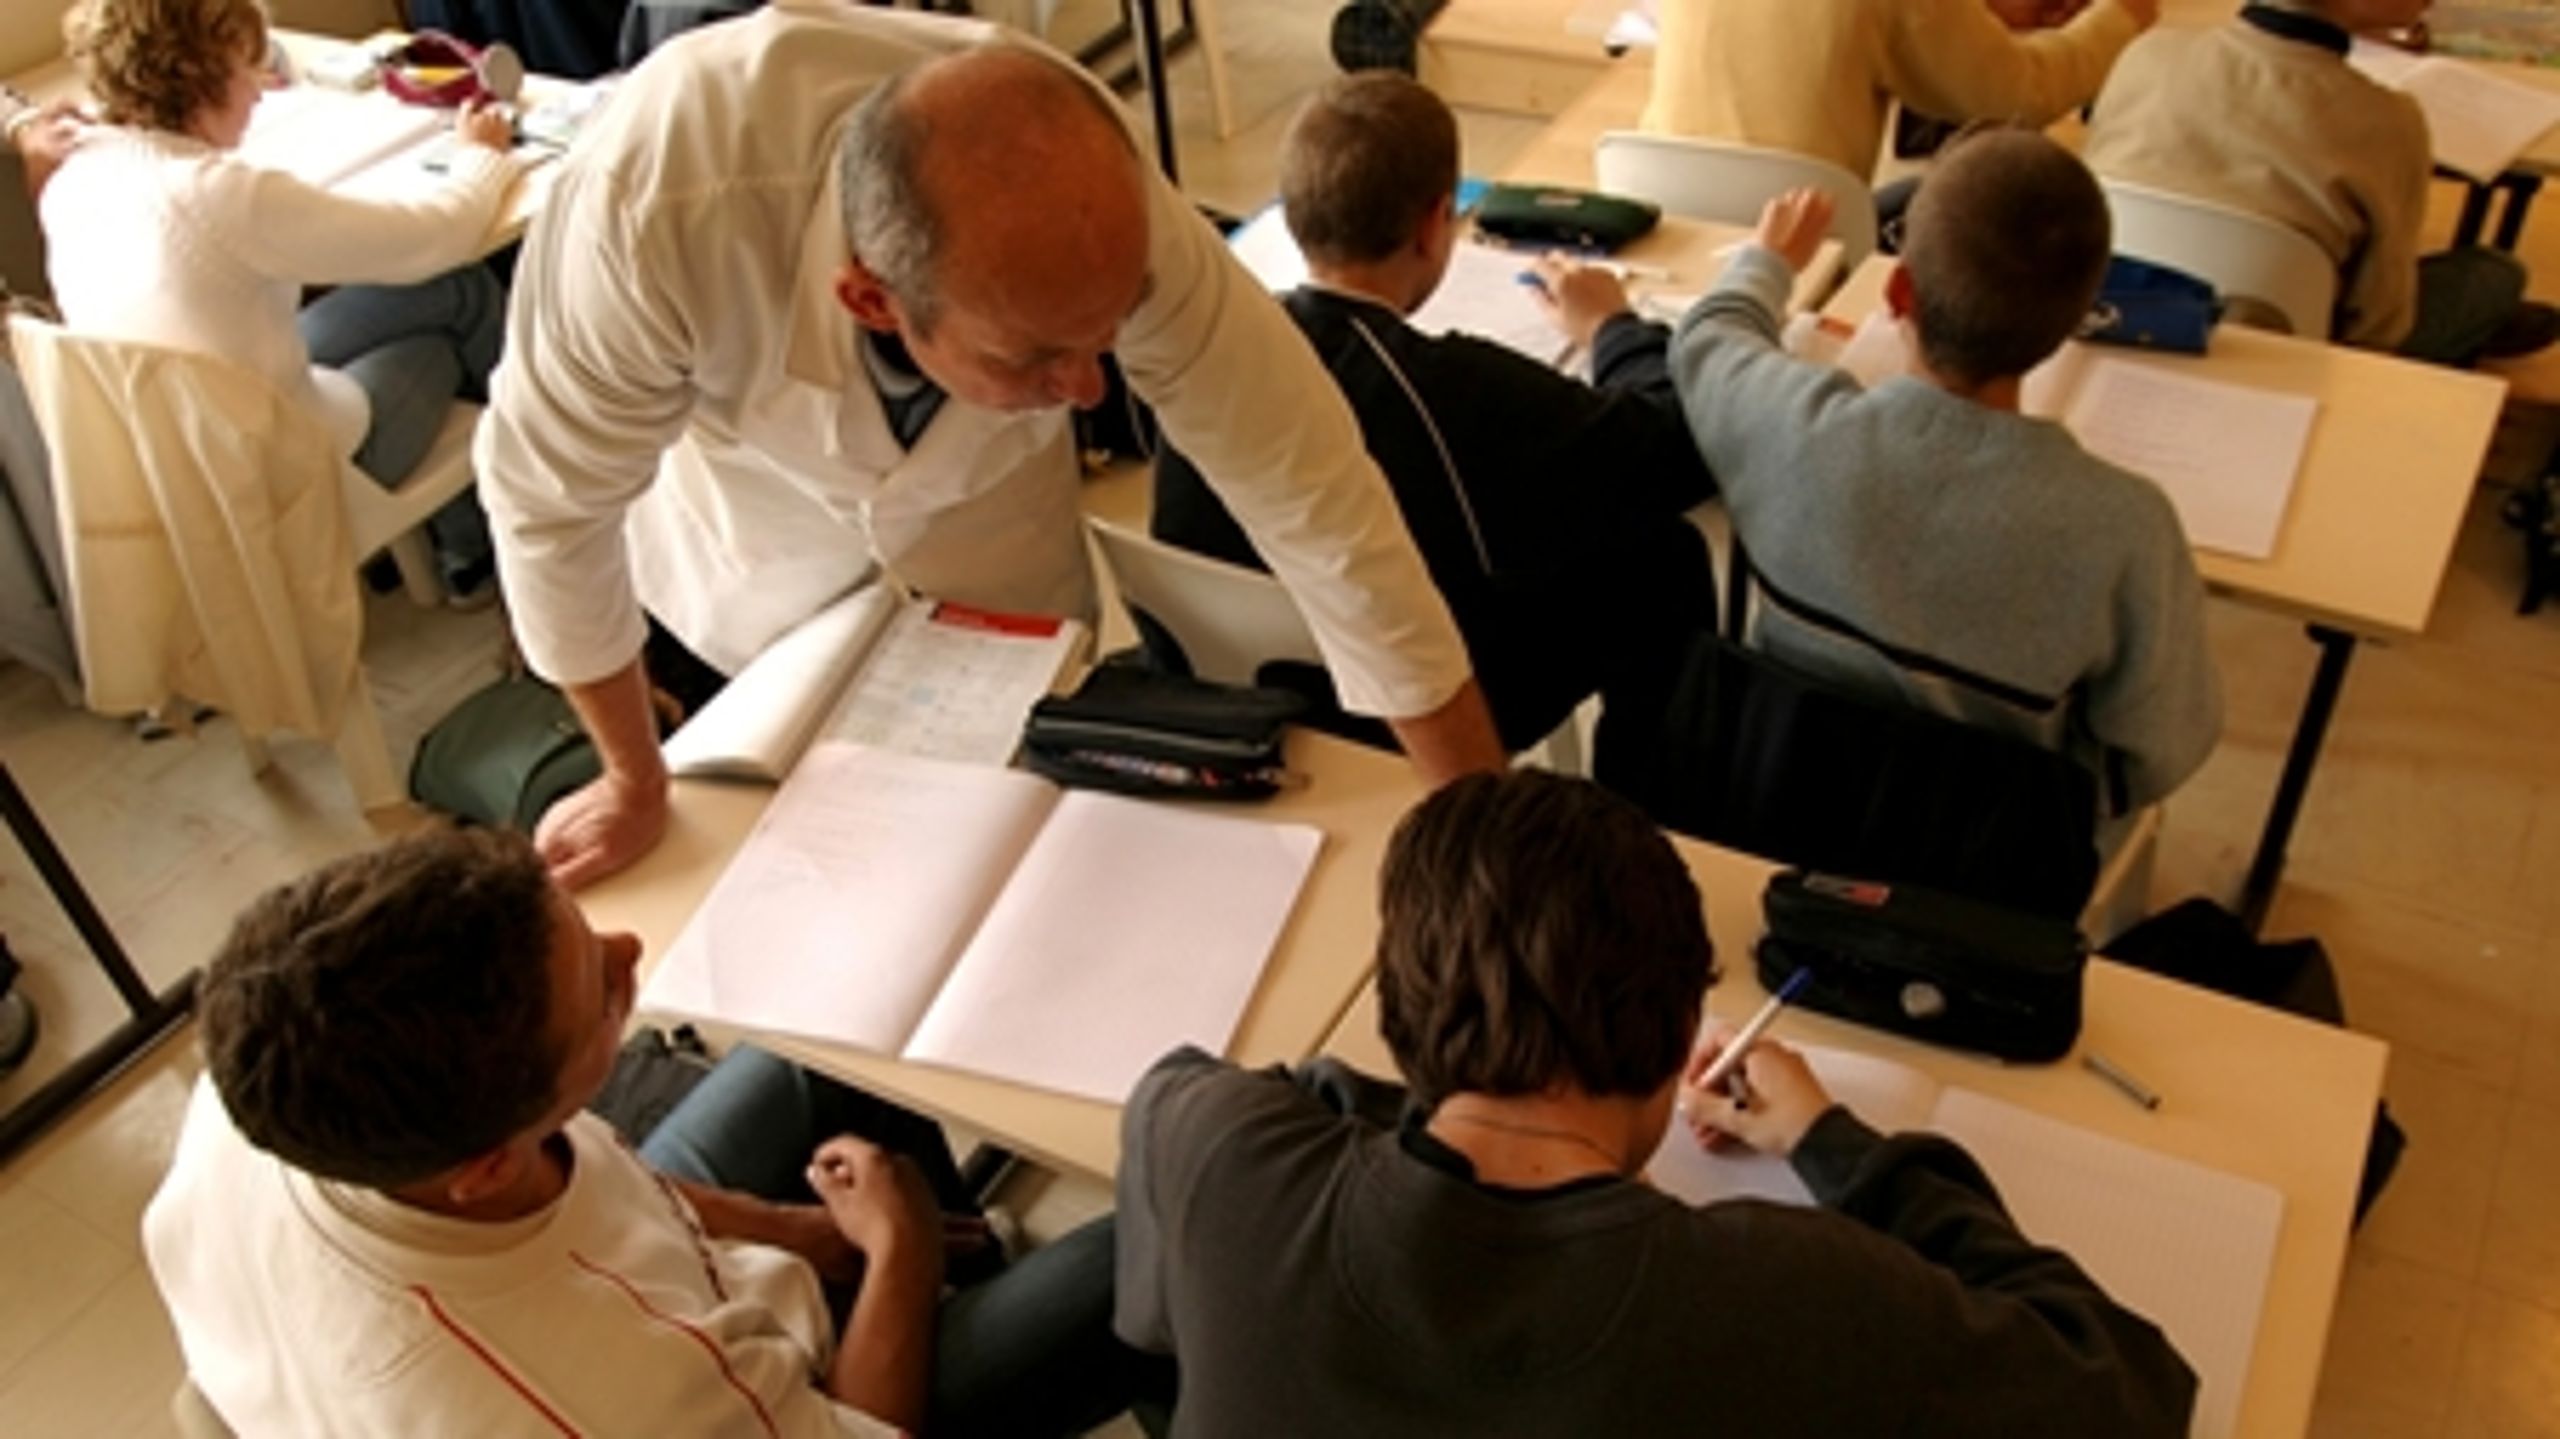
x=1932 y=965
x=1144 y=731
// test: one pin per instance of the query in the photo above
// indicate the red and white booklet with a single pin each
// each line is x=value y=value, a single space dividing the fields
x=920 y=677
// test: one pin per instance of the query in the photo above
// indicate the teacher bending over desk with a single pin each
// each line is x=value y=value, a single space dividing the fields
x=155 y=232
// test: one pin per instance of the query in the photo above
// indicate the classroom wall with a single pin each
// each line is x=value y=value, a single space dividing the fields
x=31 y=30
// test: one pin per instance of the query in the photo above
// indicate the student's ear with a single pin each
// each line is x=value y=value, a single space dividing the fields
x=865 y=298
x=491 y=1174
x=1899 y=298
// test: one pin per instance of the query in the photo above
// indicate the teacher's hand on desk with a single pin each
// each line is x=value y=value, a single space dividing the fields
x=1784 y=1099
x=603 y=828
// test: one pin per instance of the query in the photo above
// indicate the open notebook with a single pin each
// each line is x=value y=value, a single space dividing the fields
x=983 y=919
x=1482 y=294
x=2226 y=455
x=2188 y=1247
x=323 y=136
x=925 y=678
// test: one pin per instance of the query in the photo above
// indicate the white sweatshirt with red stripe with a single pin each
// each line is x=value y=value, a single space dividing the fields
x=307 y=1307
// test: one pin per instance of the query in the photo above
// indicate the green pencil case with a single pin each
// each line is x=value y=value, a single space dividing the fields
x=1559 y=215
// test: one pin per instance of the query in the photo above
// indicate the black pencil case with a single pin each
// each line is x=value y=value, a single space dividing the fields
x=1926 y=963
x=1147 y=732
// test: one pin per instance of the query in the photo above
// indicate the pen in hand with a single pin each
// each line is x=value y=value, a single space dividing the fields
x=1728 y=1063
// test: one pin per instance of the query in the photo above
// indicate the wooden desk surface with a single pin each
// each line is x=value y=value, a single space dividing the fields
x=1355 y=796
x=59 y=79
x=2245 y=1090
x=2394 y=455
x=1561 y=153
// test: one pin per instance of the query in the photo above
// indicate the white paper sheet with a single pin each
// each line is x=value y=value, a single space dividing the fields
x=848 y=903
x=1484 y=295
x=2225 y=454
x=1129 y=928
x=2187 y=1247
x=324 y=136
x=2477 y=120
x=945 y=689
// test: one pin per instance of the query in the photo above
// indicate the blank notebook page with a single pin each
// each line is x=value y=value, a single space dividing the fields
x=2187 y=1247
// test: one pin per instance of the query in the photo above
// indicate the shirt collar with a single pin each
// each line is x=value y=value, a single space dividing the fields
x=2296 y=25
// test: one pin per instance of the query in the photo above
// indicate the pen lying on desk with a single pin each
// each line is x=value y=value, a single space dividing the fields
x=2125 y=1084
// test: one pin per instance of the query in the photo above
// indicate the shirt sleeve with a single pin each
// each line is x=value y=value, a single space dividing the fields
x=595 y=386
x=1239 y=391
x=2084 y=1364
x=2158 y=705
x=1746 y=399
x=280 y=225
x=1157 y=1161
x=1955 y=60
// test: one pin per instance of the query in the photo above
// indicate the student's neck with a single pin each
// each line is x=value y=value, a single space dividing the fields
x=539 y=1181
x=2004 y=394
x=1538 y=1141
x=1388 y=282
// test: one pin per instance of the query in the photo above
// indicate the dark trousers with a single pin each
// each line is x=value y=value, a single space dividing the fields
x=1027 y=1352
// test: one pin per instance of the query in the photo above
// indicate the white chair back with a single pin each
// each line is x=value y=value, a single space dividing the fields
x=2279 y=277
x=1727 y=182
x=1230 y=621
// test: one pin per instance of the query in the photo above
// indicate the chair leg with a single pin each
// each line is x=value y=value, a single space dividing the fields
x=365 y=755
x=416 y=561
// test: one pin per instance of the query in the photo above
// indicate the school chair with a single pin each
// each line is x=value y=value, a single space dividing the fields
x=1722 y=181
x=2278 y=278
x=211 y=530
x=1227 y=623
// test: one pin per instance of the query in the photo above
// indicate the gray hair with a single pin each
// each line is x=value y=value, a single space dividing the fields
x=887 y=222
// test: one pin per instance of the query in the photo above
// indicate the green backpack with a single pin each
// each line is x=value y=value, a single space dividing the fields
x=504 y=755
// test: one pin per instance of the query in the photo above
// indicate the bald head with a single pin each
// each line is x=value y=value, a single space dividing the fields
x=997 y=189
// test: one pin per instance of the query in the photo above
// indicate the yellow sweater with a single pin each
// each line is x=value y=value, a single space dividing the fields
x=1815 y=76
x=2285 y=130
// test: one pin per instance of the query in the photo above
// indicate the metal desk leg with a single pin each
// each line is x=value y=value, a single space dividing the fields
x=2521 y=186
x=2266 y=870
x=153 y=1016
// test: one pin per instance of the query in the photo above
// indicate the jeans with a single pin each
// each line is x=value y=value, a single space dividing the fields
x=413 y=349
x=1029 y=1351
x=2463 y=297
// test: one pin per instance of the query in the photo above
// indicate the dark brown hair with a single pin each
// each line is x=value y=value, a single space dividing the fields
x=157 y=63
x=387 y=1017
x=1363 y=163
x=1536 y=929
x=2006 y=242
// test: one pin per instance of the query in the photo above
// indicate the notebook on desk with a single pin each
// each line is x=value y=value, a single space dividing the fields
x=2187 y=1247
x=2478 y=122
x=983 y=919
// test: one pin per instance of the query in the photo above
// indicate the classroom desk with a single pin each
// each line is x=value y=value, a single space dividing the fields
x=2394 y=454
x=58 y=79
x=1355 y=796
x=1561 y=153
x=2244 y=1089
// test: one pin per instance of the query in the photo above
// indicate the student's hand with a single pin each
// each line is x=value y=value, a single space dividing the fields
x=810 y=1231
x=45 y=138
x=879 y=1201
x=601 y=828
x=487 y=126
x=1579 y=298
x=1784 y=1099
x=1793 y=225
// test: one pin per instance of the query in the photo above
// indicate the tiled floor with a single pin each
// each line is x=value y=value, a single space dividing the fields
x=2428 y=860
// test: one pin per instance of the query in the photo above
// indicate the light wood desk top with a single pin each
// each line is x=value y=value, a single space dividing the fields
x=2245 y=1090
x=59 y=80
x=2394 y=454
x=1355 y=796
x=1561 y=153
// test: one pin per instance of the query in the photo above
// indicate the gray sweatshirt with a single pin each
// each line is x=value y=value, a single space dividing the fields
x=1978 y=564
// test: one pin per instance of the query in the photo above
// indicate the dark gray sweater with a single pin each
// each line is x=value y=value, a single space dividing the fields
x=1316 y=1268
x=1992 y=570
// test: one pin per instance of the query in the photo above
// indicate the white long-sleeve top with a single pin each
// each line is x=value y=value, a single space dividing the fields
x=161 y=238
x=307 y=1307
x=683 y=419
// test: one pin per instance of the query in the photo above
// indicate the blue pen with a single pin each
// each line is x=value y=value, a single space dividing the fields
x=1730 y=1060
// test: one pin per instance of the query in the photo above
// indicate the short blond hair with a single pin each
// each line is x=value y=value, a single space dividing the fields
x=159 y=63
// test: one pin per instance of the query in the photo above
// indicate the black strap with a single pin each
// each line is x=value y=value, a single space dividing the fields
x=2295 y=25
x=1909 y=659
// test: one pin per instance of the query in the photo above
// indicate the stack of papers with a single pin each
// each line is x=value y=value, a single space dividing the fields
x=323 y=136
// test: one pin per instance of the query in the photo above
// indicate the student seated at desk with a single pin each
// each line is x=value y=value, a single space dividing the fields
x=1924 y=540
x=1817 y=77
x=156 y=233
x=388 y=1215
x=1548 y=511
x=2264 y=114
x=1477 y=1254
